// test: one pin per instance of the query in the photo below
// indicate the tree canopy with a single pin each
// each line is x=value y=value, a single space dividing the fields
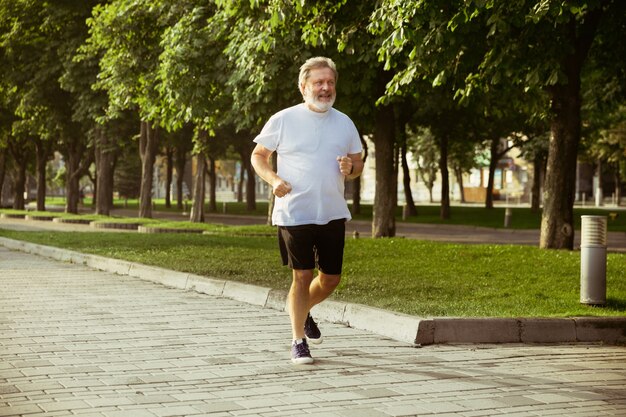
x=76 y=75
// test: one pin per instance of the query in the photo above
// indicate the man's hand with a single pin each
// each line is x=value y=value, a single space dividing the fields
x=345 y=165
x=281 y=188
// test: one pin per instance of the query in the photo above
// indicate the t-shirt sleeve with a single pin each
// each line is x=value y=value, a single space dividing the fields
x=270 y=134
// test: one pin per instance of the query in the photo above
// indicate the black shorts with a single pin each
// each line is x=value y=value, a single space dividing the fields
x=313 y=246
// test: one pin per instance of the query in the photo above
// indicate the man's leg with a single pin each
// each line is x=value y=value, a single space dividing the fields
x=299 y=301
x=321 y=287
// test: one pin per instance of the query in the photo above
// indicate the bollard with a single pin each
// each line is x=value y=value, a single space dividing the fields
x=224 y=207
x=508 y=213
x=593 y=260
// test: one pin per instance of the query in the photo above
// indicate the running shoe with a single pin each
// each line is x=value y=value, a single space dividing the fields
x=300 y=354
x=311 y=331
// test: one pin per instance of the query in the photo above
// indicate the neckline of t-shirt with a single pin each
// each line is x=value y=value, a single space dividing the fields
x=319 y=115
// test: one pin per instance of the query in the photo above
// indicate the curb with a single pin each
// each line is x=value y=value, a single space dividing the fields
x=398 y=326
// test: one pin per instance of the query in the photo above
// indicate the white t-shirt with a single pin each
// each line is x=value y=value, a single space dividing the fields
x=308 y=144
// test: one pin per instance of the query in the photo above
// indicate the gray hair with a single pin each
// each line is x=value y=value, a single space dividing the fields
x=315 y=63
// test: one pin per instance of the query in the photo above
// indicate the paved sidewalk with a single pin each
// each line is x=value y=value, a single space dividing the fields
x=75 y=341
x=411 y=329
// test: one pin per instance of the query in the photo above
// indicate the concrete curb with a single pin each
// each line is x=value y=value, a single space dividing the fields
x=402 y=327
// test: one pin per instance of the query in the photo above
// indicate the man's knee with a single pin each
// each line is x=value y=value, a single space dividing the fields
x=329 y=281
x=303 y=276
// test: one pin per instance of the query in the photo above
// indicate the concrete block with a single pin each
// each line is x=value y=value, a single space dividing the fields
x=246 y=293
x=601 y=329
x=394 y=325
x=162 y=276
x=425 y=332
x=115 y=266
x=12 y=244
x=205 y=285
x=331 y=311
x=277 y=300
x=488 y=330
x=538 y=330
x=62 y=255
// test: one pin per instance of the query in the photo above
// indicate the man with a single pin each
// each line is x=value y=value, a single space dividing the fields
x=317 y=147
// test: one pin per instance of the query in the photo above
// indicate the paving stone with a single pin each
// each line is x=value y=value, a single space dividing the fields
x=74 y=341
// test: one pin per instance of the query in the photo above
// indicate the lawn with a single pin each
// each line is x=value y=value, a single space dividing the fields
x=522 y=216
x=410 y=276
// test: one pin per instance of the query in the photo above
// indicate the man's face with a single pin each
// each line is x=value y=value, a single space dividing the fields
x=319 y=90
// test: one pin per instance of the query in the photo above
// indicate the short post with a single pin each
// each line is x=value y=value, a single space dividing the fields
x=593 y=260
x=224 y=207
x=508 y=213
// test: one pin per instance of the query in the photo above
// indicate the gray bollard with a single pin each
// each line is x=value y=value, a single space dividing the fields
x=593 y=260
x=508 y=213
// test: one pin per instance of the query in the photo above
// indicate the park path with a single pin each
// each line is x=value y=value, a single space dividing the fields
x=74 y=341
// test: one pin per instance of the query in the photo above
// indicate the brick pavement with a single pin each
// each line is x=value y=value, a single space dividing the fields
x=74 y=341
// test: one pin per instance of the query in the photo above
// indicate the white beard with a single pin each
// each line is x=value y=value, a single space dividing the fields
x=321 y=106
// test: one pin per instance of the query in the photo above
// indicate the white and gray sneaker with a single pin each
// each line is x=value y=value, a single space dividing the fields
x=300 y=354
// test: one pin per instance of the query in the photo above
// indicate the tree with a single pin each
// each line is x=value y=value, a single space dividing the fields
x=126 y=34
x=40 y=46
x=536 y=45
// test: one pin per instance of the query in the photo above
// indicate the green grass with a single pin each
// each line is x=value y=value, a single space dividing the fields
x=404 y=275
x=522 y=217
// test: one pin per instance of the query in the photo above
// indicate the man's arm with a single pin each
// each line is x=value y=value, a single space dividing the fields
x=351 y=166
x=260 y=160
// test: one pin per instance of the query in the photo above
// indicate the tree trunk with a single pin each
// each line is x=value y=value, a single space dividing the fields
x=493 y=162
x=444 y=212
x=599 y=194
x=356 y=194
x=212 y=185
x=148 y=145
x=105 y=160
x=618 y=186
x=458 y=172
x=247 y=171
x=197 y=209
x=19 y=185
x=384 y=221
x=180 y=161
x=557 y=231
x=94 y=181
x=20 y=155
x=3 y=170
x=169 y=170
x=42 y=150
x=406 y=177
x=72 y=182
x=250 y=188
